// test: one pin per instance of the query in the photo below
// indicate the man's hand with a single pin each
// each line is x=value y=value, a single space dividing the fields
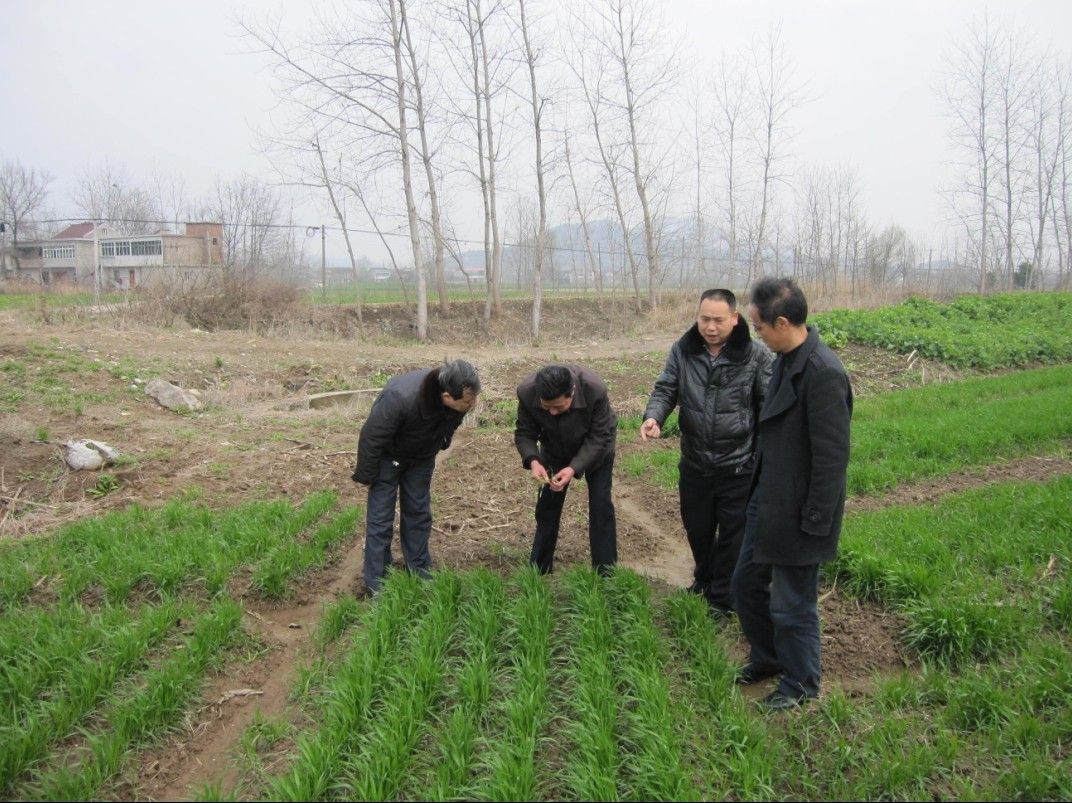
x=539 y=473
x=650 y=429
x=562 y=479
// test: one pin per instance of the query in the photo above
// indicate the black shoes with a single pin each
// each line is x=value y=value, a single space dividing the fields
x=777 y=701
x=750 y=673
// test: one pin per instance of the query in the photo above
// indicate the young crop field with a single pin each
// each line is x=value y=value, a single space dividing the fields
x=589 y=688
x=188 y=623
x=978 y=331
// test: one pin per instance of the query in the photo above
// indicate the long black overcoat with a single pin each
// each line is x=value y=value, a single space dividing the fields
x=802 y=457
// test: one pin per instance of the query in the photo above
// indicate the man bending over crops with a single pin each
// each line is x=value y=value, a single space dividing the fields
x=567 y=429
x=412 y=419
x=717 y=376
x=798 y=497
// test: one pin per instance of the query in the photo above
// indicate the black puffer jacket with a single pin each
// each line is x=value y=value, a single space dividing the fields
x=408 y=423
x=719 y=401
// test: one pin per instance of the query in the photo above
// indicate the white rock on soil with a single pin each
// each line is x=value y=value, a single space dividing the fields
x=87 y=455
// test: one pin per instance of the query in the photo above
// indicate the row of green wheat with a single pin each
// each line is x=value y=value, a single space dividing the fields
x=77 y=648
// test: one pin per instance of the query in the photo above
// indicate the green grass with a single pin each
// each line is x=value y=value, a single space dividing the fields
x=967 y=574
x=1006 y=329
x=50 y=299
x=915 y=434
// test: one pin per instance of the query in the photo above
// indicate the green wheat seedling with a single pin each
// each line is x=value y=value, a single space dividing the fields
x=355 y=689
x=290 y=559
x=80 y=684
x=158 y=700
x=510 y=770
x=483 y=600
x=159 y=551
x=337 y=617
x=377 y=769
x=653 y=765
x=966 y=573
x=737 y=750
x=592 y=764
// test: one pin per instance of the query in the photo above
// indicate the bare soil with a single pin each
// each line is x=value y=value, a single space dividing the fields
x=256 y=441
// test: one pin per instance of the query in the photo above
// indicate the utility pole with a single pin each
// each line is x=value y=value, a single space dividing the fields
x=323 y=264
x=96 y=264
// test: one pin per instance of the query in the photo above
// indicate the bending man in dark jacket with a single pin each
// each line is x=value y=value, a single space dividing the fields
x=717 y=375
x=798 y=497
x=565 y=429
x=412 y=419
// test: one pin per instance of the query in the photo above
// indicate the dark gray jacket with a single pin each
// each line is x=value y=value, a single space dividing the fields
x=408 y=423
x=802 y=457
x=719 y=401
x=583 y=437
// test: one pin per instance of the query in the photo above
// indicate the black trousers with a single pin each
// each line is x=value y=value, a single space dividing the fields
x=778 y=607
x=713 y=513
x=602 y=530
x=415 y=520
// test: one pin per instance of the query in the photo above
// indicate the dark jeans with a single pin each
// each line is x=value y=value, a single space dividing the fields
x=602 y=532
x=778 y=607
x=415 y=520
x=712 y=511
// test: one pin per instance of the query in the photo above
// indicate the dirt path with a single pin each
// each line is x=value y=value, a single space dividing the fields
x=206 y=753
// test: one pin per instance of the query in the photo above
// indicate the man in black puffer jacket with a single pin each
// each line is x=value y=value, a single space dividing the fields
x=717 y=376
x=412 y=419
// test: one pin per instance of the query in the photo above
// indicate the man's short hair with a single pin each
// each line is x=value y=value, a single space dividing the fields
x=779 y=298
x=456 y=377
x=553 y=381
x=720 y=294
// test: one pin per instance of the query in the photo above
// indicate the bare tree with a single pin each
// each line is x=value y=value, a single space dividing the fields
x=109 y=194
x=537 y=127
x=632 y=35
x=733 y=96
x=250 y=212
x=23 y=191
x=417 y=77
x=777 y=97
x=1047 y=120
x=969 y=92
x=590 y=72
x=354 y=74
x=582 y=213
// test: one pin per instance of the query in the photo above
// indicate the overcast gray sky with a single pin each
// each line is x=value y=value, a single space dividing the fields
x=171 y=85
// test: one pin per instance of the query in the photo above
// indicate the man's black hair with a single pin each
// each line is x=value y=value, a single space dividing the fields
x=779 y=298
x=720 y=294
x=553 y=381
x=456 y=377
x=453 y=377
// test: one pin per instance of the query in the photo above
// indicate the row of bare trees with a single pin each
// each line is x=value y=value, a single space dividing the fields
x=1011 y=105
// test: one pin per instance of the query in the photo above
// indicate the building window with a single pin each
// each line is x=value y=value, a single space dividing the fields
x=107 y=249
x=146 y=248
x=58 y=252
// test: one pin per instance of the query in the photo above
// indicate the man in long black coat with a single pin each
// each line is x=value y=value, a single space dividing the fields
x=798 y=497
x=566 y=429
